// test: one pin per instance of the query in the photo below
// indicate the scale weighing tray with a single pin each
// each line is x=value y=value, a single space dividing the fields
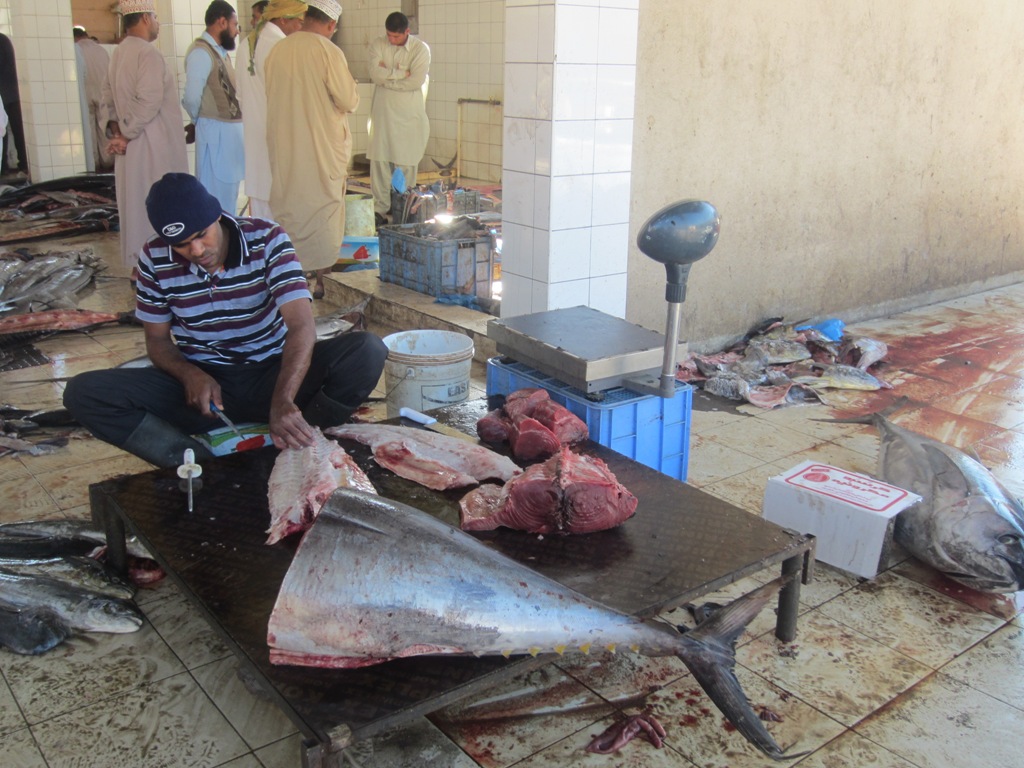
x=582 y=347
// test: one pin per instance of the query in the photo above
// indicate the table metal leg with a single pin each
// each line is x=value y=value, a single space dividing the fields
x=113 y=527
x=316 y=754
x=789 y=599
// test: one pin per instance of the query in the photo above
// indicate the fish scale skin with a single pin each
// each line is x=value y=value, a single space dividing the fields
x=423 y=587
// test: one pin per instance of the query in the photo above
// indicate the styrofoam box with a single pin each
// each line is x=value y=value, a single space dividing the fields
x=651 y=430
x=851 y=515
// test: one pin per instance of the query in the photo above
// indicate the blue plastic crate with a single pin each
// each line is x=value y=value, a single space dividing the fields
x=652 y=430
x=435 y=267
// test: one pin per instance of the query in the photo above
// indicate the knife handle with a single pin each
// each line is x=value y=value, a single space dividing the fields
x=414 y=415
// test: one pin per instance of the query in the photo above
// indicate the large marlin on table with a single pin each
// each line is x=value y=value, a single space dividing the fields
x=375 y=580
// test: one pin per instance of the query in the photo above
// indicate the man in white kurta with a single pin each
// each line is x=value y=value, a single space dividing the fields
x=310 y=93
x=97 y=62
x=280 y=19
x=398 y=64
x=211 y=101
x=140 y=111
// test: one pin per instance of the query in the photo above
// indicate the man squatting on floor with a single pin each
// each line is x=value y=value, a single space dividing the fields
x=233 y=295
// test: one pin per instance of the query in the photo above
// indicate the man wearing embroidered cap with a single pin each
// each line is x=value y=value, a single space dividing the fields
x=139 y=108
x=310 y=93
x=227 y=319
x=280 y=19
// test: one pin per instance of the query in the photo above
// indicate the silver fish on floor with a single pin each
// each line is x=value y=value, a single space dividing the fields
x=79 y=608
x=423 y=587
x=968 y=526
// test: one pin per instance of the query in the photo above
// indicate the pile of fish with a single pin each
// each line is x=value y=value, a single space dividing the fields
x=52 y=585
x=302 y=480
x=568 y=493
x=34 y=282
x=424 y=588
x=779 y=363
x=433 y=460
x=534 y=425
x=65 y=207
x=967 y=525
x=36 y=432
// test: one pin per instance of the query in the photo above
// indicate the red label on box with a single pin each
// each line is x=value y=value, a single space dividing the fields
x=858 y=490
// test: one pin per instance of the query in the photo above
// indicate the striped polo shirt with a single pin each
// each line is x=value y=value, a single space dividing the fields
x=232 y=317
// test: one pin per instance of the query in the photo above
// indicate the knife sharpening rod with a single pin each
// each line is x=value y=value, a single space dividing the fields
x=582 y=347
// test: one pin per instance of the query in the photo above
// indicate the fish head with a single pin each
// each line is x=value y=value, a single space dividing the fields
x=984 y=545
x=101 y=614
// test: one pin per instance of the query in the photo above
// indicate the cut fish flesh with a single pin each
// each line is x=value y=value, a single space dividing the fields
x=428 y=458
x=303 y=479
x=568 y=493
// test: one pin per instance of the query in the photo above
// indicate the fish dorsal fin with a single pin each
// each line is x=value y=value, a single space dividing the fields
x=945 y=472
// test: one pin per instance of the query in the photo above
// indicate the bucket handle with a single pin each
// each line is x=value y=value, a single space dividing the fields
x=410 y=373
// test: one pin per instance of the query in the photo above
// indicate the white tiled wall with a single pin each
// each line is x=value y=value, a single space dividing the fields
x=40 y=31
x=570 y=78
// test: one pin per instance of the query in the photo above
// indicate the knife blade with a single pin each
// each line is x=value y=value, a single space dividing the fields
x=432 y=424
x=228 y=422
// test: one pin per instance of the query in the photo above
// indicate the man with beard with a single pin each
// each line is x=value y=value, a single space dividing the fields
x=280 y=19
x=142 y=119
x=310 y=93
x=248 y=347
x=211 y=101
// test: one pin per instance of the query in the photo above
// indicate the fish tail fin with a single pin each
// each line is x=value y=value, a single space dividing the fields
x=709 y=652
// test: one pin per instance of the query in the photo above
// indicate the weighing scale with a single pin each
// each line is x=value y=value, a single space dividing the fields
x=593 y=351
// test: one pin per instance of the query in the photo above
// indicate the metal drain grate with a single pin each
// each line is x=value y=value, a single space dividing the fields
x=22 y=356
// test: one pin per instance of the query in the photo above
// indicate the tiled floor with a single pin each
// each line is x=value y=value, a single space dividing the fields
x=906 y=670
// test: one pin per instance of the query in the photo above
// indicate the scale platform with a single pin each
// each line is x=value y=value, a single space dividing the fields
x=583 y=347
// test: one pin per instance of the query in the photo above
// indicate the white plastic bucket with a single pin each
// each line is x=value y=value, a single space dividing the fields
x=359 y=216
x=426 y=369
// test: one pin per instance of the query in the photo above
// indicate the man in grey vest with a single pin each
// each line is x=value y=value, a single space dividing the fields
x=211 y=102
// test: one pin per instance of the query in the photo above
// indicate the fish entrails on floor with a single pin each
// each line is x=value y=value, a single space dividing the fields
x=425 y=588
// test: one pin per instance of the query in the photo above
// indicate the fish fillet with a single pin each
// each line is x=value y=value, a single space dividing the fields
x=428 y=458
x=303 y=479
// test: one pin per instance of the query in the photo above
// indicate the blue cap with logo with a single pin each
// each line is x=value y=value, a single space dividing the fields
x=178 y=206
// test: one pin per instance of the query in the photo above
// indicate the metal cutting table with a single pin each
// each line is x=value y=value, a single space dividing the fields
x=681 y=543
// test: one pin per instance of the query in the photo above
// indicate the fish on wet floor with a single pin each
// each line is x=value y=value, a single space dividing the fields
x=836 y=376
x=85 y=572
x=968 y=526
x=30 y=630
x=425 y=588
x=58 y=320
x=78 y=608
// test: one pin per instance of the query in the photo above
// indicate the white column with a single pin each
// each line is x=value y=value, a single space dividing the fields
x=570 y=72
x=48 y=85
